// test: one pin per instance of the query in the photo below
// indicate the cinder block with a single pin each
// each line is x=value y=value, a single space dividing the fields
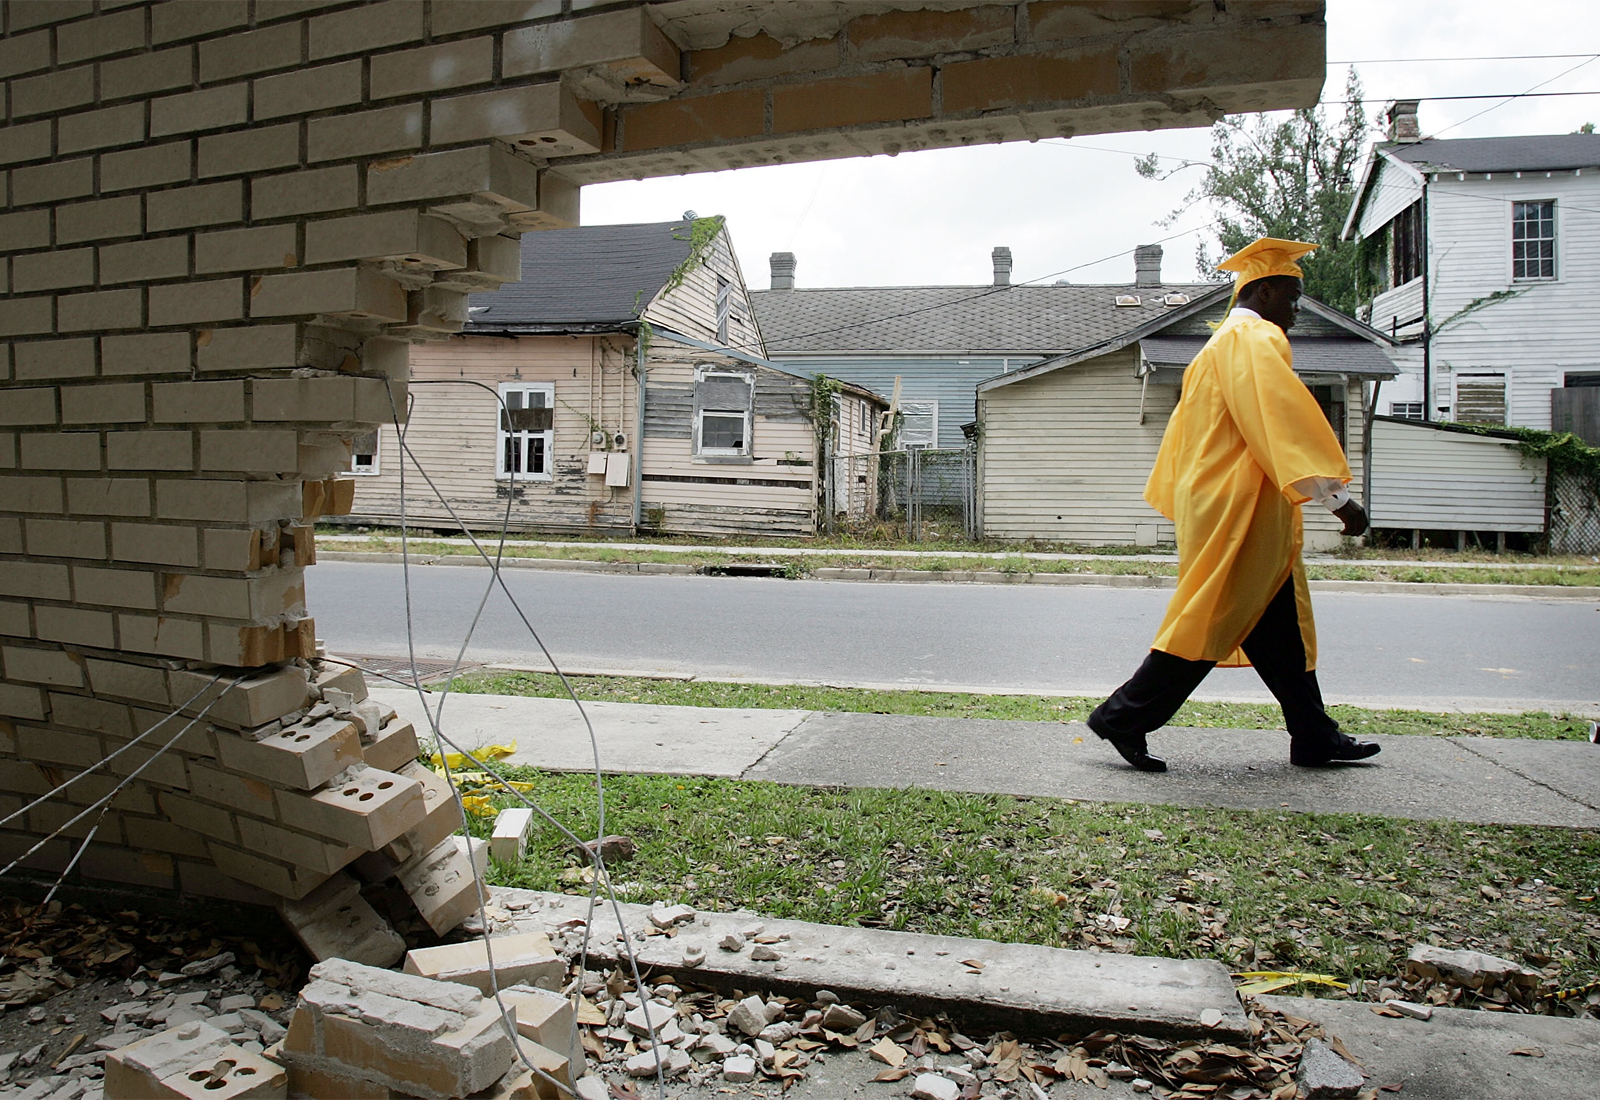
x=52 y=92
x=303 y=757
x=102 y=129
x=525 y=958
x=249 y=451
x=107 y=403
x=184 y=207
x=248 y=151
x=197 y=402
x=351 y=292
x=27 y=407
x=432 y=68
x=251 y=347
x=146 y=353
x=626 y=41
x=108 y=496
x=150 y=450
x=306 y=90
x=505 y=180
x=254 y=702
x=309 y=191
x=389 y=129
x=197 y=302
x=42 y=183
x=363 y=29
x=30 y=494
x=116 y=587
x=124 y=680
x=52 y=270
x=41 y=580
x=143 y=261
x=99 y=221
x=163 y=635
x=144 y=73
x=547 y=117
x=28 y=229
x=158 y=544
x=509 y=843
x=366 y=810
x=100 y=310
x=335 y=921
x=66 y=538
x=149 y=166
x=75 y=626
x=255 y=51
x=262 y=248
x=209 y=109
x=441 y=883
x=61 y=451
x=115 y=33
x=394 y=747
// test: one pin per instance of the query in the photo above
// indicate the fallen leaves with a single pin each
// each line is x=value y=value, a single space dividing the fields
x=1528 y=1052
x=1270 y=981
x=889 y=1052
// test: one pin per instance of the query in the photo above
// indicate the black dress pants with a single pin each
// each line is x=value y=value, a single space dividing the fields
x=1276 y=651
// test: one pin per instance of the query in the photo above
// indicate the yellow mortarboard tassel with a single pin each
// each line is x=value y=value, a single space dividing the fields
x=1261 y=258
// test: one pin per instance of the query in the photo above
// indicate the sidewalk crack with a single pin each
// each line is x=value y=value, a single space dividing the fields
x=758 y=761
x=1460 y=744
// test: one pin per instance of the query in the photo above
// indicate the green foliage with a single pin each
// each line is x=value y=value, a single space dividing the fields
x=1479 y=303
x=702 y=232
x=1291 y=177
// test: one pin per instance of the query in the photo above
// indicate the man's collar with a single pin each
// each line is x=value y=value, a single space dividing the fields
x=1242 y=311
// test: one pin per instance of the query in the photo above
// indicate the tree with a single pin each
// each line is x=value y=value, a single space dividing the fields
x=1290 y=177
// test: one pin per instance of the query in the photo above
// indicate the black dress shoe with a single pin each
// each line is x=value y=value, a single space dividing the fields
x=1342 y=748
x=1132 y=747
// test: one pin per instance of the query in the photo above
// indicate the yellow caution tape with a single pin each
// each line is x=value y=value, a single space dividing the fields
x=486 y=754
x=1268 y=981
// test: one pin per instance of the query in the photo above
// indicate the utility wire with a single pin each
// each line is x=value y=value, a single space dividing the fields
x=1487 y=57
x=1530 y=93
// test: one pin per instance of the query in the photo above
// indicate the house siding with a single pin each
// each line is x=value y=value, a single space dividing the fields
x=950 y=382
x=1428 y=478
x=691 y=308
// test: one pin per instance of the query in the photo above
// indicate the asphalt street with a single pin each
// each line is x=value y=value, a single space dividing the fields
x=1398 y=650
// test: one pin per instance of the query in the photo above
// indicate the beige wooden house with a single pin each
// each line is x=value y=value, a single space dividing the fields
x=1065 y=445
x=620 y=386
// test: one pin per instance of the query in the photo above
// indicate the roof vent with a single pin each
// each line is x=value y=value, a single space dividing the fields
x=1176 y=300
x=1124 y=300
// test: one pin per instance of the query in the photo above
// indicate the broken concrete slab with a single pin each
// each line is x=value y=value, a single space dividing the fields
x=1323 y=1075
x=1472 y=969
x=1045 y=986
x=665 y=740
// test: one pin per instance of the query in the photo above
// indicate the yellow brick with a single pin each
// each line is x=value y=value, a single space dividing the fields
x=302 y=757
x=101 y=309
x=108 y=496
x=266 y=247
x=905 y=34
x=249 y=451
x=150 y=450
x=55 y=358
x=39 y=579
x=255 y=51
x=307 y=191
x=107 y=34
x=24 y=317
x=451 y=65
x=29 y=229
x=29 y=142
x=166 y=636
x=61 y=451
x=142 y=261
x=546 y=117
x=367 y=811
x=626 y=40
x=313 y=399
x=1000 y=82
x=147 y=167
x=250 y=150
x=30 y=494
x=210 y=109
x=75 y=626
x=52 y=92
x=41 y=666
x=179 y=19
x=398 y=234
x=24 y=53
x=189 y=206
x=306 y=90
x=888 y=96
x=351 y=292
x=102 y=129
x=190 y=303
x=761 y=57
x=483 y=170
x=120 y=588
x=106 y=403
x=158 y=544
x=147 y=353
x=477 y=14
x=695 y=120
x=99 y=221
x=65 y=538
x=252 y=347
x=144 y=73
x=387 y=130
x=367 y=28
x=52 y=270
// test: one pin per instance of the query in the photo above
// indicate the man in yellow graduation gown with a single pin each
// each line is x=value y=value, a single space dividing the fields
x=1246 y=446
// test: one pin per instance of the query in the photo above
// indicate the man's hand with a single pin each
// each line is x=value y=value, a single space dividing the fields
x=1353 y=516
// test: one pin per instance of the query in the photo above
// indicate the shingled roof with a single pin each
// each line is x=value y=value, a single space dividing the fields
x=1536 y=152
x=959 y=320
x=594 y=277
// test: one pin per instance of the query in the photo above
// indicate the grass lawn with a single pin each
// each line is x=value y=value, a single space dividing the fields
x=1358 y=721
x=1341 y=894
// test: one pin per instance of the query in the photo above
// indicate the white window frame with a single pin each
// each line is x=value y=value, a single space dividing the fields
x=1408 y=406
x=932 y=442
x=377 y=456
x=706 y=373
x=501 y=473
x=1555 y=242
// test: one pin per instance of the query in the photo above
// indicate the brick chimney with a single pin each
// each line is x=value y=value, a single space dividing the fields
x=1147 y=265
x=1002 y=266
x=1402 y=117
x=783 y=264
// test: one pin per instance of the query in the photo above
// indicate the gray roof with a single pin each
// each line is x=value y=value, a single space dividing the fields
x=593 y=277
x=1312 y=354
x=1538 y=152
x=959 y=320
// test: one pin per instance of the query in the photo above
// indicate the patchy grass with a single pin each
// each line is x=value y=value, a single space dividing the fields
x=1029 y=708
x=1343 y=894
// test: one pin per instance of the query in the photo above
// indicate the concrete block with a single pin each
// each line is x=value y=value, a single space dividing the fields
x=309 y=191
x=393 y=748
x=98 y=221
x=262 y=248
x=108 y=496
x=144 y=73
x=174 y=21
x=251 y=347
x=366 y=810
x=30 y=494
x=387 y=130
x=65 y=538
x=248 y=151
x=28 y=229
x=627 y=42
x=209 y=109
x=101 y=310
x=404 y=235
x=441 y=884
x=694 y=120
x=166 y=636
x=107 y=403
x=52 y=92
x=887 y=96
x=184 y=207
x=54 y=359
x=335 y=921
x=143 y=261
x=303 y=756
x=197 y=402
x=250 y=451
x=151 y=450
x=500 y=178
x=197 y=302
x=352 y=292
x=521 y=1083
x=44 y=183
x=60 y=451
x=149 y=166
x=547 y=117
x=52 y=270
x=510 y=840
x=257 y=51
x=102 y=129
x=146 y=353
x=253 y=702
x=525 y=958
x=306 y=90
x=433 y=68
x=191 y=1061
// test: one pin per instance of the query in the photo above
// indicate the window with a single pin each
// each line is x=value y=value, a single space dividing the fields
x=1533 y=240
x=919 y=424
x=526 y=433
x=1480 y=398
x=724 y=308
x=723 y=403
x=364 y=453
x=1406 y=261
x=1410 y=410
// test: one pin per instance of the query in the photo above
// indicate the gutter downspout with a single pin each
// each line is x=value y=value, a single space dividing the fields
x=639 y=373
x=1427 y=317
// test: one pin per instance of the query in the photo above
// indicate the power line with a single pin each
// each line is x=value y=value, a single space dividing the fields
x=1489 y=57
x=1529 y=92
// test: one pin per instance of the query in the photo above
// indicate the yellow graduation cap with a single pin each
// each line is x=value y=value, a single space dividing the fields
x=1264 y=257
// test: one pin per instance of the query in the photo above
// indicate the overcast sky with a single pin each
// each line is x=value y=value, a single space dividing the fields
x=931 y=218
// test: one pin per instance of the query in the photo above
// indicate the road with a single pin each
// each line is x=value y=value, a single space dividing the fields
x=1451 y=652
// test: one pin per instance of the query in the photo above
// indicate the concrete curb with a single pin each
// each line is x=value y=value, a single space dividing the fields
x=932 y=576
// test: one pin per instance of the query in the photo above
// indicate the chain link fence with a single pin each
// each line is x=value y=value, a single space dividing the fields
x=1574 y=514
x=915 y=495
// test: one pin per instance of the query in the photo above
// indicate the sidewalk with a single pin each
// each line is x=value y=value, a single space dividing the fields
x=1474 y=779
